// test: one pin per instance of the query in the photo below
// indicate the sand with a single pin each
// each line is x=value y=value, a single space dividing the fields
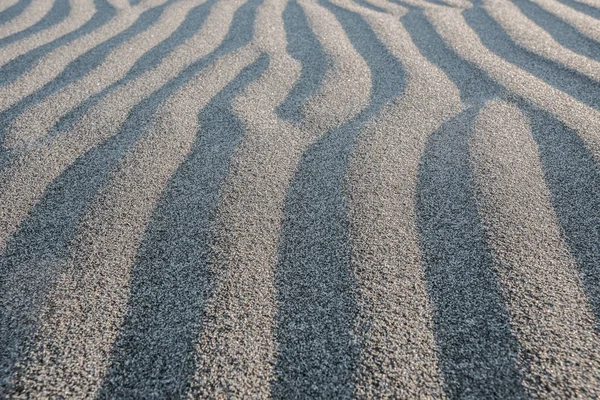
x=300 y=199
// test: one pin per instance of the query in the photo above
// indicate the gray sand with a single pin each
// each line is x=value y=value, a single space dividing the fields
x=300 y=199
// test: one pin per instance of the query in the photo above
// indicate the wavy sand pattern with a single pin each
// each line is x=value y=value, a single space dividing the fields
x=300 y=199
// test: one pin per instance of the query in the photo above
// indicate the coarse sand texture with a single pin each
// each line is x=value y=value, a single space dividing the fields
x=300 y=199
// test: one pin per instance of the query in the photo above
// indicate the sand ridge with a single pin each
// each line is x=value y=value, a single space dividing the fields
x=300 y=199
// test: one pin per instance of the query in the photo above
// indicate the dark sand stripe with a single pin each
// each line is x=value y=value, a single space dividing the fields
x=13 y=11
x=318 y=350
x=32 y=91
x=582 y=22
x=36 y=122
x=59 y=67
x=100 y=160
x=398 y=357
x=59 y=11
x=334 y=230
x=549 y=311
x=523 y=86
x=347 y=69
x=236 y=348
x=593 y=10
x=14 y=65
x=115 y=223
x=237 y=341
x=7 y=4
x=32 y=13
x=304 y=46
x=573 y=177
x=80 y=12
x=579 y=117
x=390 y=7
x=528 y=34
x=477 y=351
x=184 y=35
x=171 y=279
x=71 y=190
x=370 y=6
x=24 y=182
x=474 y=84
x=97 y=163
x=493 y=36
x=243 y=307
x=560 y=30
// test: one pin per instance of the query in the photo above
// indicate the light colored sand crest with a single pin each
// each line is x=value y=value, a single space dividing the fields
x=35 y=11
x=23 y=182
x=393 y=9
x=462 y=4
x=7 y=4
x=90 y=297
x=122 y=4
x=440 y=4
x=53 y=63
x=318 y=110
x=398 y=351
x=81 y=12
x=254 y=196
x=250 y=191
x=582 y=119
x=36 y=121
x=549 y=312
x=588 y=26
x=203 y=42
x=424 y=4
x=529 y=35
x=237 y=342
x=341 y=95
x=593 y=3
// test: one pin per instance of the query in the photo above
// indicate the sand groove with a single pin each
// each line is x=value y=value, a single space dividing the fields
x=299 y=198
x=34 y=12
x=542 y=288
